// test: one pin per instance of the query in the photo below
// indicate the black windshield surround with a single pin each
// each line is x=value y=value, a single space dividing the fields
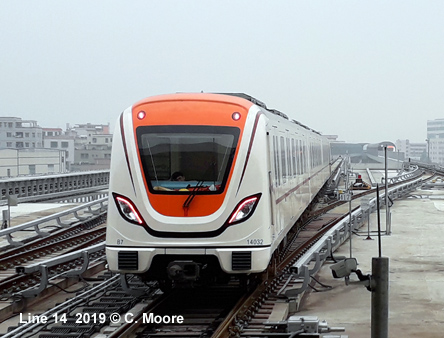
x=179 y=160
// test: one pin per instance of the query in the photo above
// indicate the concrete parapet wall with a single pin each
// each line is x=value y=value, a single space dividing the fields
x=32 y=187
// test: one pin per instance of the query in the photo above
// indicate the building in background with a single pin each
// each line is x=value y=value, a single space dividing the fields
x=22 y=161
x=28 y=149
x=18 y=133
x=55 y=138
x=435 y=140
x=22 y=151
x=92 y=146
x=354 y=150
x=413 y=151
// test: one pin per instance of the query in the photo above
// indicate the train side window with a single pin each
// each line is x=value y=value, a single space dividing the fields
x=315 y=155
x=289 y=163
x=308 y=154
x=324 y=153
x=275 y=160
x=310 y=150
x=299 y=158
x=293 y=156
x=311 y=155
x=304 y=156
x=283 y=161
x=327 y=151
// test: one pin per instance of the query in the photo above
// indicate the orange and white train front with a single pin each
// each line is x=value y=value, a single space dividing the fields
x=189 y=174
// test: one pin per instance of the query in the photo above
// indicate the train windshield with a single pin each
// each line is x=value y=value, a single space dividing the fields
x=184 y=159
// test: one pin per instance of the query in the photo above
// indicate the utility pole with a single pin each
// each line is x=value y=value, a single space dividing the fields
x=387 y=208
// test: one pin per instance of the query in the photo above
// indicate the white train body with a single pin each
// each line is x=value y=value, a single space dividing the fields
x=249 y=173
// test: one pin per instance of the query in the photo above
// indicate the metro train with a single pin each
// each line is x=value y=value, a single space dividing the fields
x=205 y=186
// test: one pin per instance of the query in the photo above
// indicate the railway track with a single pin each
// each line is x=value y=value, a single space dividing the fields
x=81 y=236
x=250 y=318
x=80 y=316
x=225 y=311
x=237 y=313
x=194 y=313
x=254 y=314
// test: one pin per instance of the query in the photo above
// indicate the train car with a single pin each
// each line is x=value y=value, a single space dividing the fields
x=205 y=185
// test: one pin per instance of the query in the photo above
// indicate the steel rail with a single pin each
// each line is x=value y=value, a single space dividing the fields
x=63 y=307
x=11 y=259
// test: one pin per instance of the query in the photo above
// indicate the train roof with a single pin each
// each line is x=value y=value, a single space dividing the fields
x=235 y=98
x=273 y=111
x=195 y=96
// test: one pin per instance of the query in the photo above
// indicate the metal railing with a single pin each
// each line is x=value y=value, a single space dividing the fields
x=44 y=266
x=99 y=205
x=411 y=172
x=336 y=236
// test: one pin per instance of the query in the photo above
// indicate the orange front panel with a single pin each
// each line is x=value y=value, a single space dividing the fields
x=190 y=111
x=186 y=112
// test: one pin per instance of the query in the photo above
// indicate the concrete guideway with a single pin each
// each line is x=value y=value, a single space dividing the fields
x=415 y=251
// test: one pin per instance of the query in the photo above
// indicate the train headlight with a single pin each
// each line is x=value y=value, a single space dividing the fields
x=127 y=210
x=236 y=116
x=244 y=209
x=141 y=115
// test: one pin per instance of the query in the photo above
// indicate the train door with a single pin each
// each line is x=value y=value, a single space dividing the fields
x=294 y=174
x=283 y=181
x=272 y=179
x=310 y=165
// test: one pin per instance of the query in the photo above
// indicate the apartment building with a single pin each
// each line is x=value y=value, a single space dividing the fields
x=414 y=151
x=20 y=134
x=435 y=140
x=22 y=161
x=92 y=146
x=56 y=139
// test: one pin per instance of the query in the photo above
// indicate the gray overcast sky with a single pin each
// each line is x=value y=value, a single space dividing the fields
x=367 y=71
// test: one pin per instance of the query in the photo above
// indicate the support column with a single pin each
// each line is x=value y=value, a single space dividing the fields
x=380 y=297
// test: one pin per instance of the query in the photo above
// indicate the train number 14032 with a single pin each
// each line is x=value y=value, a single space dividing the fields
x=255 y=241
